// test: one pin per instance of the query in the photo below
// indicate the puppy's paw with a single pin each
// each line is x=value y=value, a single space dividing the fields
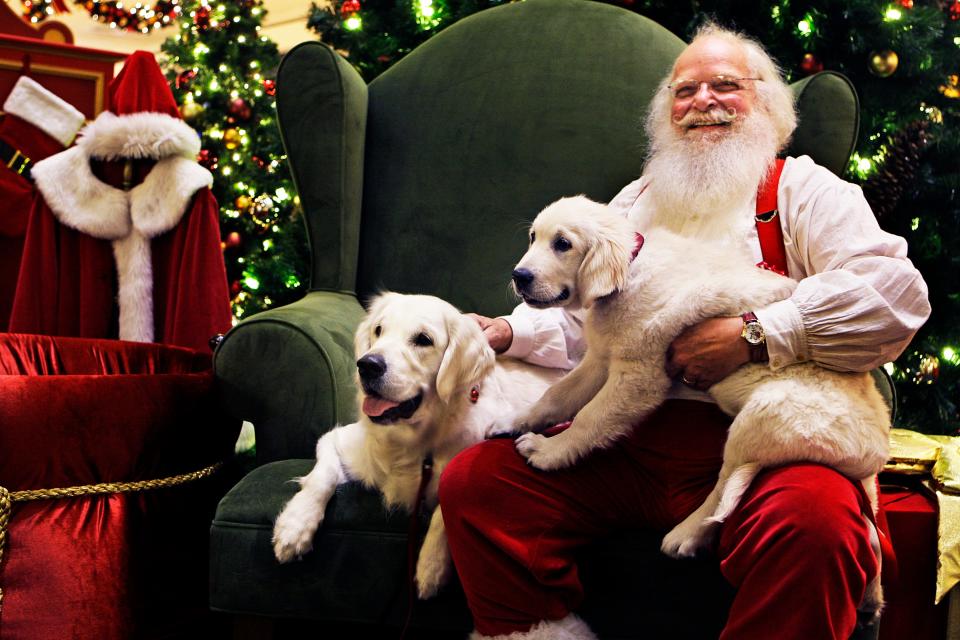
x=432 y=574
x=689 y=539
x=505 y=425
x=294 y=530
x=543 y=453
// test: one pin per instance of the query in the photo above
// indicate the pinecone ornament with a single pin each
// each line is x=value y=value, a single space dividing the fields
x=885 y=188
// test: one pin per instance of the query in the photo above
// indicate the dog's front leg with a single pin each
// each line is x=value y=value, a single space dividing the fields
x=631 y=392
x=565 y=397
x=301 y=517
x=434 y=565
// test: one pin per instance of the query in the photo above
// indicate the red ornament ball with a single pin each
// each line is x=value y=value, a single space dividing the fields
x=954 y=10
x=239 y=108
x=257 y=160
x=233 y=239
x=235 y=288
x=906 y=4
x=207 y=159
x=349 y=7
x=270 y=86
x=201 y=18
x=810 y=64
x=184 y=78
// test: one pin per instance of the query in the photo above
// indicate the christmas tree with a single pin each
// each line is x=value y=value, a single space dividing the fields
x=221 y=71
x=904 y=59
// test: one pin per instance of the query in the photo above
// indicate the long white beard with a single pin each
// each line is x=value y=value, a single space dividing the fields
x=700 y=184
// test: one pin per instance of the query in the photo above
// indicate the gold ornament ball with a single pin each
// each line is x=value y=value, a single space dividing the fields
x=928 y=370
x=243 y=202
x=952 y=88
x=191 y=111
x=884 y=63
x=231 y=139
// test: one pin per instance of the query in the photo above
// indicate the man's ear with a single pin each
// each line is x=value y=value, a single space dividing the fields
x=604 y=267
x=466 y=360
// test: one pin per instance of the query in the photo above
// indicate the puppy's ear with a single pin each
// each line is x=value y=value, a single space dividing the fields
x=467 y=359
x=607 y=261
x=361 y=338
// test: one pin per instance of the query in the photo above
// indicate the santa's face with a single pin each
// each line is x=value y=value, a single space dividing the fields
x=711 y=89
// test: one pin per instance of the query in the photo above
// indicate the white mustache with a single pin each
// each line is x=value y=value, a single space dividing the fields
x=713 y=116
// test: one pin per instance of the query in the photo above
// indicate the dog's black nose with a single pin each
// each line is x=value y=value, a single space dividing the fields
x=522 y=277
x=371 y=366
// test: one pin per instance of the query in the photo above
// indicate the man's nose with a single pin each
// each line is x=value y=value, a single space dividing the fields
x=704 y=98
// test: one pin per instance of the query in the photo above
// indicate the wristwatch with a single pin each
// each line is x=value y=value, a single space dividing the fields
x=752 y=332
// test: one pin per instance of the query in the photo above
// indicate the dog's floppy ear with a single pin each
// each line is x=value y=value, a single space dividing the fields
x=466 y=360
x=604 y=267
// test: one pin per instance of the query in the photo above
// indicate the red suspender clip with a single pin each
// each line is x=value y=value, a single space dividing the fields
x=769 y=230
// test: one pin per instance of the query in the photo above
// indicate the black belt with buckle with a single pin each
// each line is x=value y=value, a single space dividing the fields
x=15 y=161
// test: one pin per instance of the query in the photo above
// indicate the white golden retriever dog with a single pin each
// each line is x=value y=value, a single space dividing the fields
x=430 y=386
x=580 y=255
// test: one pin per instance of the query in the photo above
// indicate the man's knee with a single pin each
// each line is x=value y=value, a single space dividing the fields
x=473 y=474
x=803 y=506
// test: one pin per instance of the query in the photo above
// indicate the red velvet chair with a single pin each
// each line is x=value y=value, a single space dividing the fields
x=84 y=412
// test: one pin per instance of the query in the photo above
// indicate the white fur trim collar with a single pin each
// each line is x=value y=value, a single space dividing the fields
x=32 y=103
x=129 y=219
x=568 y=628
x=82 y=202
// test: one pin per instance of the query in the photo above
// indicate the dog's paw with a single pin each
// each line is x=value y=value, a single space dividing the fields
x=689 y=539
x=541 y=452
x=293 y=531
x=432 y=574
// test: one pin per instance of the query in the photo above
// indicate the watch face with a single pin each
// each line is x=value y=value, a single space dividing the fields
x=753 y=333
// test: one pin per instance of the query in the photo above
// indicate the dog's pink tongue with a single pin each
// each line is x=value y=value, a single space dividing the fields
x=374 y=407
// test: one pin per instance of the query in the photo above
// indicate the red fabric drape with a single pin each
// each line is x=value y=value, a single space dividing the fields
x=76 y=412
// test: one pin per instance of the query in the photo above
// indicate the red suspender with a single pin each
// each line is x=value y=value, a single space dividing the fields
x=768 y=223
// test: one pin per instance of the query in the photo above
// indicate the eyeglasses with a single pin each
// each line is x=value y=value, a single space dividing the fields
x=719 y=85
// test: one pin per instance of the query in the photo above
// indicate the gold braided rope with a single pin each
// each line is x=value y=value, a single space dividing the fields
x=7 y=497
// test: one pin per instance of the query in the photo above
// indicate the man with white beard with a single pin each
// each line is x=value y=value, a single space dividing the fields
x=797 y=549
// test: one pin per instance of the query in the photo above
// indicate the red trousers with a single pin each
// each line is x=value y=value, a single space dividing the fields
x=797 y=548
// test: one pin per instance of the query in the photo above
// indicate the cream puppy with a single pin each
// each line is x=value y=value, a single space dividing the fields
x=430 y=386
x=580 y=255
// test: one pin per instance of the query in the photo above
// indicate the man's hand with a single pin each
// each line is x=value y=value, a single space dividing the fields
x=708 y=352
x=498 y=331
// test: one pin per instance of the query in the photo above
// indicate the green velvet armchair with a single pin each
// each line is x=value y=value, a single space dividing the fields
x=424 y=182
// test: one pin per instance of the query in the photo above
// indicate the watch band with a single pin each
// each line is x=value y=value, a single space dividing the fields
x=758 y=352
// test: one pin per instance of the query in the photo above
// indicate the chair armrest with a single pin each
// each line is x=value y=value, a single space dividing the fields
x=290 y=371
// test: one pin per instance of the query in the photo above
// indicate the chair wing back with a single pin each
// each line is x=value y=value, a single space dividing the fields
x=322 y=113
x=828 y=120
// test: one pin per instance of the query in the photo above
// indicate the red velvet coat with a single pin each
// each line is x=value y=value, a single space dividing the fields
x=68 y=280
x=141 y=263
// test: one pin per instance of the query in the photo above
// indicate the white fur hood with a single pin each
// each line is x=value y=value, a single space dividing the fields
x=81 y=201
x=128 y=219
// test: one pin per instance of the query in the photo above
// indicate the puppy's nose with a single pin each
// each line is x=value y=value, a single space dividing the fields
x=522 y=277
x=371 y=366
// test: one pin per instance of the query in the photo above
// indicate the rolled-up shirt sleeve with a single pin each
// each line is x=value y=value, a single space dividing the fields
x=859 y=300
x=546 y=337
